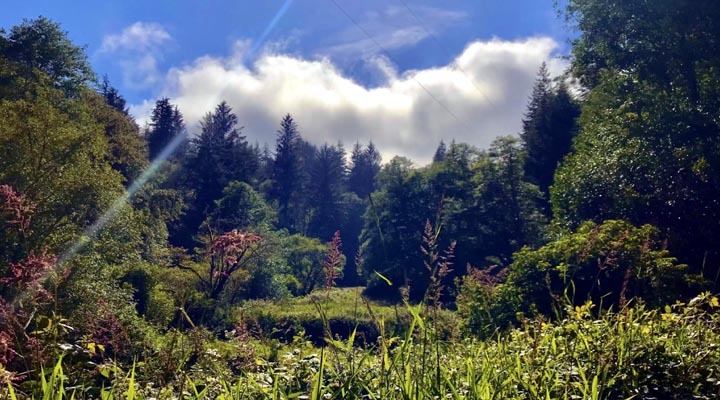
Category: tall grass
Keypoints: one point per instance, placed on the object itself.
(634, 353)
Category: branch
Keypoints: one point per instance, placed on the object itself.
(186, 268)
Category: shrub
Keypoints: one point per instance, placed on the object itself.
(608, 263)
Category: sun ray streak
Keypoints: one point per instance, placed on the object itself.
(270, 26)
(91, 232)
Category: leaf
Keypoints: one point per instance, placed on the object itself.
(384, 278)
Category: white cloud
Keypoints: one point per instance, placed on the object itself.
(392, 28)
(399, 116)
(138, 48)
(142, 36)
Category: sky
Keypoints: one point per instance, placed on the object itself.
(404, 74)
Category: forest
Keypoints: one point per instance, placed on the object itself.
(578, 258)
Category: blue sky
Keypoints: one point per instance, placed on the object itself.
(447, 69)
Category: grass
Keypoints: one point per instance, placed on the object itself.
(343, 309)
(635, 353)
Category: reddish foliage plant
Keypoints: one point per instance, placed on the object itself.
(229, 253)
(333, 261)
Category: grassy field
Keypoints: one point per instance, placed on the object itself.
(635, 353)
(342, 310)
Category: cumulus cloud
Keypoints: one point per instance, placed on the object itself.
(482, 94)
(138, 48)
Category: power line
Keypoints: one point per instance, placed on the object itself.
(387, 54)
(440, 45)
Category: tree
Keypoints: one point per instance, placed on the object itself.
(508, 207)
(668, 42)
(241, 207)
(219, 155)
(440, 152)
(326, 187)
(112, 96)
(42, 45)
(286, 177)
(306, 257)
(648, 147)
(227, 254)
(364, 167)
(127, 151)
(55, 152)
(548, 129)
(166, 123)
(392, 236)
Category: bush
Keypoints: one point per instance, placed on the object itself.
(608, 263)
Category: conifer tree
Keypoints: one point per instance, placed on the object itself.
(112, 96)
(440, 152)
(326, 188)
(365, 165)
(218, 156)
(286, 171)
(166, 123)
(548, 129)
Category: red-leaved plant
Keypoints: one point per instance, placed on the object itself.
(438, 265)
(333, 261)
(229, 253)
(22, 289)
(17, 207)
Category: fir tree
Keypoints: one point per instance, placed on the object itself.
(440, 152)
(286, 171)
(548, 129)
(365, 165)
(166, 123)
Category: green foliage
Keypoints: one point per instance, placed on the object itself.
(305, 257)
(219, 155)
(241, 207)
(41, 45)
(287, 175)
(647, 150)
(54, 152)
(508, 208)
(478, 199)
(663, 42)
(166, 123)
(129, 316)
(364, 167)
(127, 151)
(634, 353)
(326, 186)
(548, 129)
(608, 264)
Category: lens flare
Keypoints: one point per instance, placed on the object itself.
(271, 25)
(91, 233)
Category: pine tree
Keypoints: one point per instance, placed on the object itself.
(548, 129)
(365, 165)
(218, 156)
(440, 152)
(286, 171)
(112, 96)
(326, 188)
(166, 123)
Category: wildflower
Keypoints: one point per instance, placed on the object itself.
(17, 206)
(29, 274)
(333, 261)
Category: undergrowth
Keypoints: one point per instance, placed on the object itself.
(632, 353)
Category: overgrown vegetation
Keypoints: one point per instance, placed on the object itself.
(576, 261)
